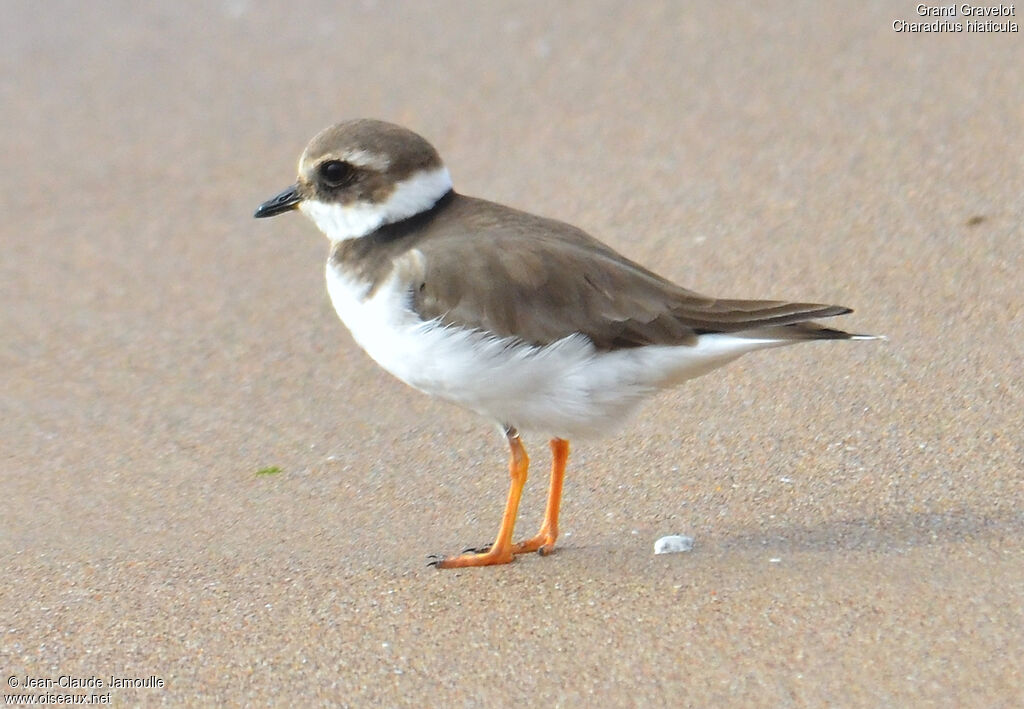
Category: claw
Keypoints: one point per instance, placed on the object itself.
(435, 560)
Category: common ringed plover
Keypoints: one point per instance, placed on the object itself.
(528, 321)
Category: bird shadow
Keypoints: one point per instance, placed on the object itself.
(887, 532)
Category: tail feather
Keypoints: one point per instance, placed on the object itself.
(803, 331)
(743, 315)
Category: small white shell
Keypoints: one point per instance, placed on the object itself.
(673, 544)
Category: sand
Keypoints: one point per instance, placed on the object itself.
(856, 507)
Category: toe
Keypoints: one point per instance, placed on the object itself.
(477, 550)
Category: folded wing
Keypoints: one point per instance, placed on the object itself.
(541, 288)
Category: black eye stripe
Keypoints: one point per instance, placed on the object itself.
(336, 172)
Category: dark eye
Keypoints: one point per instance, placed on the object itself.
(335, 172)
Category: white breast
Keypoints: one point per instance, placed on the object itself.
(566, 389)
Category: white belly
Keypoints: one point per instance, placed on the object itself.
(566, 389)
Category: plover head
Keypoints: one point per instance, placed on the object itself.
(357, 176)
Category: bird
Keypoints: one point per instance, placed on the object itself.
(525, 320)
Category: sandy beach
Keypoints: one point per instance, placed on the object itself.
(206, 482)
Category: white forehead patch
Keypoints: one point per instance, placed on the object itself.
(413, 195)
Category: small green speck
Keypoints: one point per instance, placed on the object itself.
(272, 470)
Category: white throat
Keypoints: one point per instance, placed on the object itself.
(411, 196)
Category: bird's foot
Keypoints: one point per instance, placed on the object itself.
(488, 556)
(543, 543)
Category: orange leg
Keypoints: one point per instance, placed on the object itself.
(501, 551)
(544, 541)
